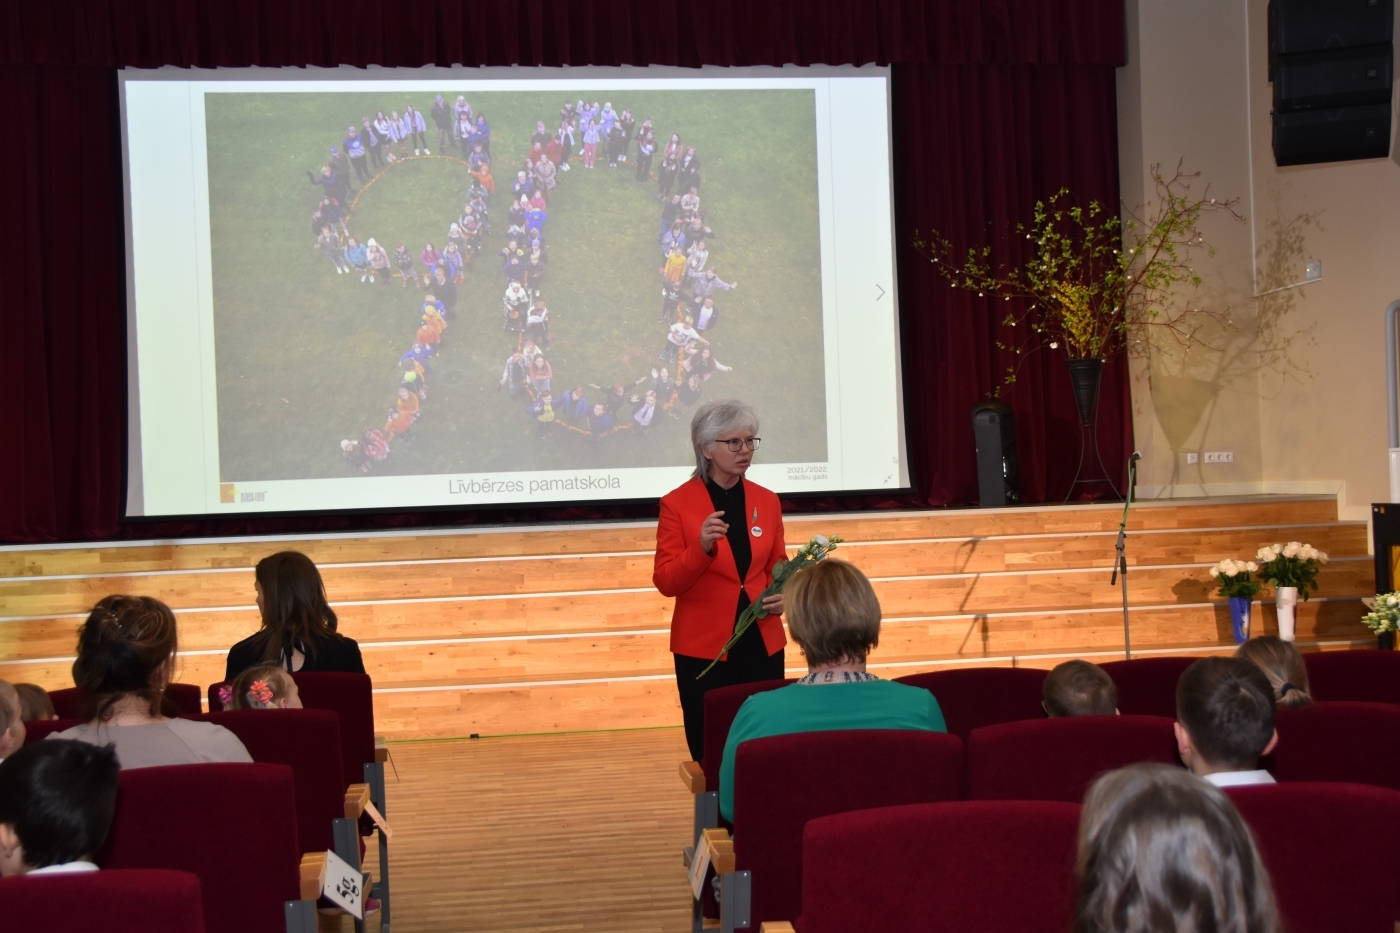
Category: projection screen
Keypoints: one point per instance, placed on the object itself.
(386, 289)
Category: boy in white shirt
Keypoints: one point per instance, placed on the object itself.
(57, 799)
(1225, 721)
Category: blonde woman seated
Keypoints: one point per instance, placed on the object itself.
(834, 617)
(1283, 666)
(126, 652)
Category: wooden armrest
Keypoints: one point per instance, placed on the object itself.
(693, 776)
(722, 849)
(776, 926)
(381, 749)
(313, 875)
(356, 797)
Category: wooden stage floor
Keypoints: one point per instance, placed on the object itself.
(539, 833)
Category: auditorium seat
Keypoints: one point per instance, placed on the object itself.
(1332, 850)
(308, 742)
(233, 825)
(1365, 676)
(1358, 743)
(126, 901)
(41, 729)
(1147, 686)
(351, 696)
(965, 867)
(1057, 759)
(972, 697)
(180, 699)
(783, 781)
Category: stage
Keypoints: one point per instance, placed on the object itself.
(558, 629)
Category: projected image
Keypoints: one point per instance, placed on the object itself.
(408, 283)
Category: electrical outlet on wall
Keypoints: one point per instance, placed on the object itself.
(1193, 458)
(1220, 456)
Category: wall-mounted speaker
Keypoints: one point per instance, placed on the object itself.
(1332, 66)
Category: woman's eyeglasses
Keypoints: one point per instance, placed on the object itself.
(736, 444)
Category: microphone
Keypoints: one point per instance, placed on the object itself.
(1135, 457)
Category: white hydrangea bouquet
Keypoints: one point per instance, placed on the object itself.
(1291, 564)
(1236, 578)
(808, 554)
(1385, 617)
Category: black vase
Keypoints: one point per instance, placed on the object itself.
(1385, 641)
(1086, 376)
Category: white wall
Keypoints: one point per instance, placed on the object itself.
(1296, 388)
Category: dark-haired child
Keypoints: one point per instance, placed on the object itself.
(56, 804)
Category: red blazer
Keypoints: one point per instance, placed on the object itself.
(706, 587)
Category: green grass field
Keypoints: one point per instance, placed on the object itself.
(306, 357)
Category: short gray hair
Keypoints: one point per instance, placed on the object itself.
(713, 419)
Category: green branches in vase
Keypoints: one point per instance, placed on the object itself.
(808, 554)
(1082, 278)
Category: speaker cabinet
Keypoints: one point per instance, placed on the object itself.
(1332, 66)
(994, 429)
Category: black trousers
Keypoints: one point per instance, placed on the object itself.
(748, 662)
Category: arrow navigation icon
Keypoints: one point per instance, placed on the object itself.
(882, 291)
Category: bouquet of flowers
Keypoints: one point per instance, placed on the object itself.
(808, 554)
(1234, 577)
(1291, 564)
(1385, 617)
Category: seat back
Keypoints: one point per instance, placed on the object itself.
(973, 697)
(1296, 825)
(180, 700)
(233, 825)
(1147, 686)
(1057, 759)
(41, 729)
(1364, 676)
(783, 781)
(721, 706)
(308, 742)
(349, 695)
(976, 866)
(1358, 743)
(131, 901)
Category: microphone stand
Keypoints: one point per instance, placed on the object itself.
(1120, 562)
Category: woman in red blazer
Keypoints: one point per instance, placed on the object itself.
(716, 543)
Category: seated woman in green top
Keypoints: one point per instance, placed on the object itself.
(834, 617)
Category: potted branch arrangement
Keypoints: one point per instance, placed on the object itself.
(1090, 282)
(1383, 619)
(1290, 569)
(1237, 584)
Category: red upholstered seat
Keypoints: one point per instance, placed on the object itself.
(1365, 676)
(972, 697)
(1057, 759)
(1333, 851)
(721, 706)
(41, 729)
(132, 901)
(1339, 741)
(349, 695)
(783, 781)
(968, 867)
(308, 742)
(1147, 686)
(180, 700)
(233, 825)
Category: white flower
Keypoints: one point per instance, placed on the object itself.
(1291, 549)
(1267, 553)
(1392, 601)
(1251, 566)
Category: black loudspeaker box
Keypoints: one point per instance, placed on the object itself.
(994, 429)
(1332, 66)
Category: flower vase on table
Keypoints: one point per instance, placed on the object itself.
(1238, 585)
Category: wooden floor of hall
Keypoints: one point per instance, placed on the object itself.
(577, 832)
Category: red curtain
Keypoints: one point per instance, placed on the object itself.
(996, 103)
